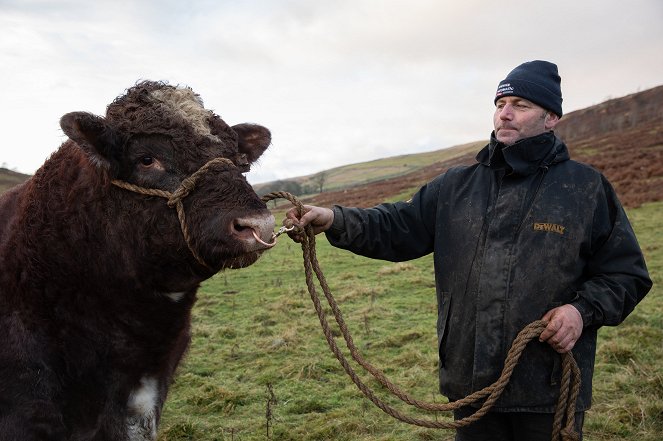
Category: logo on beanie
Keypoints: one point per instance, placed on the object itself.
(504, 88)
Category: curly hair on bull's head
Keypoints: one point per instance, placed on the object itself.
(155, 107)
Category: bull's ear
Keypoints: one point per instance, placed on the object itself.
(95, 136)
(253, 140)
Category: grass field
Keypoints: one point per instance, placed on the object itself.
(259, 367)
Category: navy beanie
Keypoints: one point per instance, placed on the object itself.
(536, 81)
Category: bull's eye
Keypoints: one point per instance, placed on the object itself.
(147, 161)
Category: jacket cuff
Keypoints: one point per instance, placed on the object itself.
(338, 225)
(585, 310)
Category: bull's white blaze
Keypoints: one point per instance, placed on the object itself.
(142, 410)
(175, 296)
(189, 106)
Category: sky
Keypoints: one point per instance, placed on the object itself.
(336, 81)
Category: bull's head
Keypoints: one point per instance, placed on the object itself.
(155, 137)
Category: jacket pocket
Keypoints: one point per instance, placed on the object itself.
(443, 306)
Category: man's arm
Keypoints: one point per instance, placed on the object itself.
(617, 278)
(391, 231)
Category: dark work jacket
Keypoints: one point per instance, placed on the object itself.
(520, 232)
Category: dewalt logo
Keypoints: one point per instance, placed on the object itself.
(553, 228)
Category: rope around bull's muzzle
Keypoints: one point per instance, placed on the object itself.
(175, 199)
(564, 419)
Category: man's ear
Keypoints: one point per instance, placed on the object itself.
(95, 136)
(252, 140)
(551, 120)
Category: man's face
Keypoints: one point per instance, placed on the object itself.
(517, 118)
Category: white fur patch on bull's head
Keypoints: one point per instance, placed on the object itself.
(186, 104)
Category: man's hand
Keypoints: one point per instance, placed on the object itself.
(564, 328)
(318, 217)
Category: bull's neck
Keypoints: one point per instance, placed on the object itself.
(78, 237)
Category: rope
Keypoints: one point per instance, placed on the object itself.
(175, 199)
(564, 419)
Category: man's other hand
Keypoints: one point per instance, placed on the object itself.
(564, 328)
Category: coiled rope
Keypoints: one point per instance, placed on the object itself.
(564, 419)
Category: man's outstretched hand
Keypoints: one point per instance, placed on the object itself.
(318, 217)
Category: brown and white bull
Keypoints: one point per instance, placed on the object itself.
(97, 277)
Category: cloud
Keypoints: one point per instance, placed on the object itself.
(336, 82)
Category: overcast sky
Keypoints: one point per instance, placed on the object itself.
(336, 81)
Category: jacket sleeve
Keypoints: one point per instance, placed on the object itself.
(396, 232)
(616, 274)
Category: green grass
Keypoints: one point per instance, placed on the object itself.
(628, 381)
(259, 367)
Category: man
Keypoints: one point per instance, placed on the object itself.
(523, 234)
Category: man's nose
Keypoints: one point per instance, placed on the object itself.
(506, 112)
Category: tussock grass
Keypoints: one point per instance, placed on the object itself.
(255, 329)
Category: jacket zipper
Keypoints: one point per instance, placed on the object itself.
(530, 204)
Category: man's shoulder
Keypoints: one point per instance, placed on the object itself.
(460, 171)
(581, 173)
(457, 173)
(585, 169)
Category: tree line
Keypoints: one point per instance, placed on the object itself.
(316, 184)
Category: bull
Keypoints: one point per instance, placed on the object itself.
(101, 255)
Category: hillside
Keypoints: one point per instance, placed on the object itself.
(364, 173)
(9, 178)
(622, 137)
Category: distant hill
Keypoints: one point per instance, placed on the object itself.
(363, 173)
(9, 178)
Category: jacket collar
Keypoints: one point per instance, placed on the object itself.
(526, 156)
